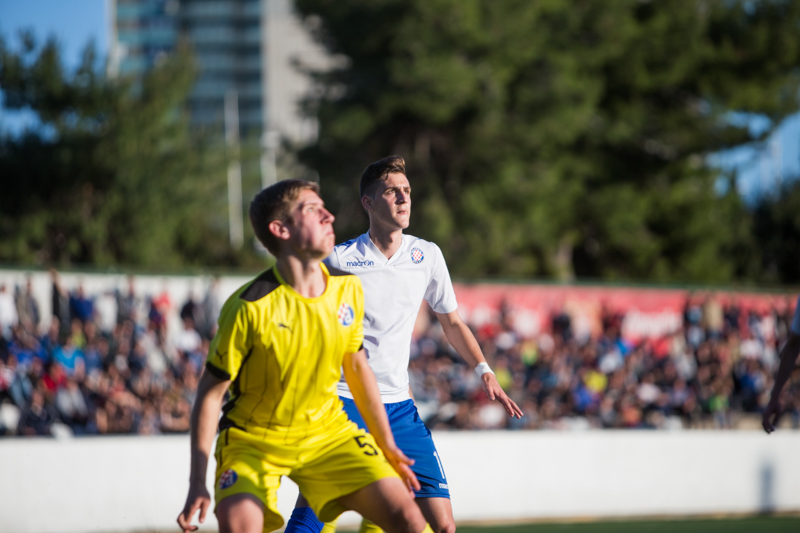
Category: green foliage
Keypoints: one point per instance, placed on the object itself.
(111, 175)
(556, 138)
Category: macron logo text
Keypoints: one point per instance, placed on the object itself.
(360, 263)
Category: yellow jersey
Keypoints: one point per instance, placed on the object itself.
(283, 354)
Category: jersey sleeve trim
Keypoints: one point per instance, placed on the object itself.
(217, 372)
(261, 286)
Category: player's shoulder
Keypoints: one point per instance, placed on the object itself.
(258, 288)
(413, 241)
(346, 247)
(346, 244)
(422, 250)
(342, 281)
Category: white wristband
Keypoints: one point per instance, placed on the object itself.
(483, 368)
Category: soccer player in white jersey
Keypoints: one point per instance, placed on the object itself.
(399, 271)
(789, 355)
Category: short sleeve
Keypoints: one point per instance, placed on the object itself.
(233, 340)
(796, 320)
(357, 334)
(439, 293)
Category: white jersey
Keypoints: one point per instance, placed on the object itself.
(796, 320)
(393, 292)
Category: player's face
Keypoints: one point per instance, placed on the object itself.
(311, 226)
(392, 201)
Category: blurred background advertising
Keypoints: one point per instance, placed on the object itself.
(613, 184)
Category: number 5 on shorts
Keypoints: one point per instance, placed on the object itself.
(371, 451)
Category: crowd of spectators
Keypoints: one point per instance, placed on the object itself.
(76, 377)
(132, 374)
(716, 371)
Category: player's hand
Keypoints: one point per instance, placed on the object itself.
(402, 465)
(198, 498)
(771, 415)
(495, 392)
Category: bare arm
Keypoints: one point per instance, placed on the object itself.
(367, 398)
(788, 360)
(204, 421)
(462, 339)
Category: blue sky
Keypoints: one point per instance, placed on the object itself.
(761, 169)
(75, 22)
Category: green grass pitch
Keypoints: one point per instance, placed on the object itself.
(766, 524)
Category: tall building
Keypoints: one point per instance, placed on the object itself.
(249, 47)
(143, 31)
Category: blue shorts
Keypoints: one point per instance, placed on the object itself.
(414, 439)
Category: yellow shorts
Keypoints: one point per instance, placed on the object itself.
(325, 467)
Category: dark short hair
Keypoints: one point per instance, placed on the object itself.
(378, 171)
(275, 203)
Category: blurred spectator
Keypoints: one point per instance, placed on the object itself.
(59, 300)
(80, 307)
(28, 307)
(159, 308)
(71, 406)
(188, 340)
(69, 357)
(37, 417)
(193, 311)
(8, 312)
(212, 305)
(127, 303)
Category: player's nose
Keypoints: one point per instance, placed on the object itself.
(327, 216)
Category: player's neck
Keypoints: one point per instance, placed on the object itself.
(387, 240)
(305, 276)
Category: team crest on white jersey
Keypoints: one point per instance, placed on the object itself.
(227, 479)
(346, 314)
(417, 256)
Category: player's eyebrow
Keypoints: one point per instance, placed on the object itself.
(303, 204)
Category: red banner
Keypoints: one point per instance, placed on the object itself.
(646, 312)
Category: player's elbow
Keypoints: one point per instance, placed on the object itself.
(449, 527)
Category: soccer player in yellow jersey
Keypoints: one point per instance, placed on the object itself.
(281, 343)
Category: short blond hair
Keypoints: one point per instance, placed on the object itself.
(275, 203)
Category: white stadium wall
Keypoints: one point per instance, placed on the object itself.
(107, 484)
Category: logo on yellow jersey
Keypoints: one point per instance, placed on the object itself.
(346, 314)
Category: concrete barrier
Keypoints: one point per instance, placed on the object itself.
(107, 484)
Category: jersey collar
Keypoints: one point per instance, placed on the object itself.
(296, 294)
(376, 255)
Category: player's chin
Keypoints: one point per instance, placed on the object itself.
(319, 253)
(402, 220)
(325, 246)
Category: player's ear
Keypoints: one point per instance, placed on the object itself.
(279, 229)
(366, 203)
